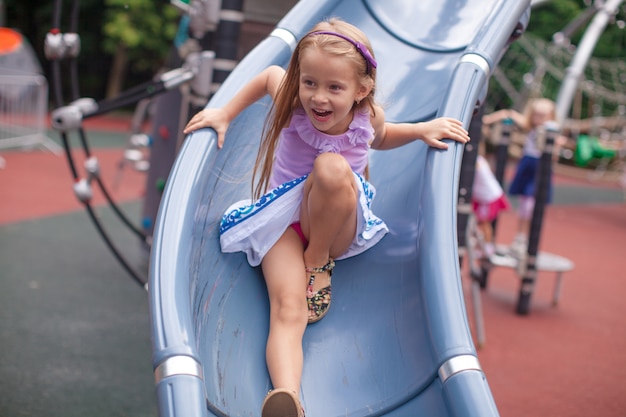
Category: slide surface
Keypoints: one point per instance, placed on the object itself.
(396, 341)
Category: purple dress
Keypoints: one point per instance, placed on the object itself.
(254, 227)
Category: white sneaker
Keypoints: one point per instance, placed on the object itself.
(502, 259)
(519, 247)
(489, 249)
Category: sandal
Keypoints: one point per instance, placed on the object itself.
(319, 302)
(281, 402)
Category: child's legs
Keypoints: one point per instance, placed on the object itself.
(328, 214)
(481, 211)
(283, 269)
(525, 212)
(523, 185)
(483, 218)
(486, 229)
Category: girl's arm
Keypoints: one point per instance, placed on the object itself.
(266, 82)
(503, 114)
(392, 135)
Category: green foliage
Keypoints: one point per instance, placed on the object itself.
(553, 17)
(612, 43)
(520, 67)
(146, 28)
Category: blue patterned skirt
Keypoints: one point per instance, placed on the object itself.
(254, 227)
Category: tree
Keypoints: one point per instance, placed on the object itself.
(139, 32)
(553, 16)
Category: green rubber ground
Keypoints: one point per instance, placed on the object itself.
(74, 328)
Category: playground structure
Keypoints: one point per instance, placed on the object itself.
(23, 96)
(23, 112)
(179, 87)
(186, 85)
(590, 93)
(528, 264)
(208, 349)
(603, 87)
(168, 368)
(597, 124)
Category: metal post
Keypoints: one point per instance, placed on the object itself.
(542, 193)
(464, 203)
(574, 72)
(167, 122)
(466, 180)
(226, 45)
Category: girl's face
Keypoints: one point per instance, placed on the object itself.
(328, 88)
(541, 113)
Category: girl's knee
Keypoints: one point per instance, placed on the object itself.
(332, 170)
(289, 310)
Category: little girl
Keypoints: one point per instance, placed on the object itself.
(537, 112)
(313, 160)
(488, 200)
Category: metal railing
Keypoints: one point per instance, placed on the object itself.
(23, 112)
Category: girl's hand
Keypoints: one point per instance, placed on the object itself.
(216, 118)
(443, 128)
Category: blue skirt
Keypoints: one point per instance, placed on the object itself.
(254, 227)
(524, 181)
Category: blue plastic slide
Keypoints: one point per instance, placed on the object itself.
(396, 341)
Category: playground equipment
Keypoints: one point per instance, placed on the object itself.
(574, 72)
(533, 67)
(23, 96)
(590, 93)
(411, 355)
(533, 261)
(598, 108)
(577, 75)
(588, 148)
(213, 27)
(193, 76)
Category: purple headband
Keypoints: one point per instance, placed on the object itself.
(369, 59)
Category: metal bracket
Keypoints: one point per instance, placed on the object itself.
(458, 364)
(177, 365)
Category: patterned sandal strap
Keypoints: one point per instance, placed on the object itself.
(328, 267)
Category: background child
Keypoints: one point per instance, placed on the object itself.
(488, 200)
(537, 112)
(312, 159)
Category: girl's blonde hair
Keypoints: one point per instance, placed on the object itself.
(287, 98)
(543, 105)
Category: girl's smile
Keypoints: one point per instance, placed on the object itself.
(321, 115)
(328, 90)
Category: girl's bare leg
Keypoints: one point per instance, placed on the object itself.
(328, 213)
(486, 230)
(527, 205)
(328, 220)
(283, 269)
